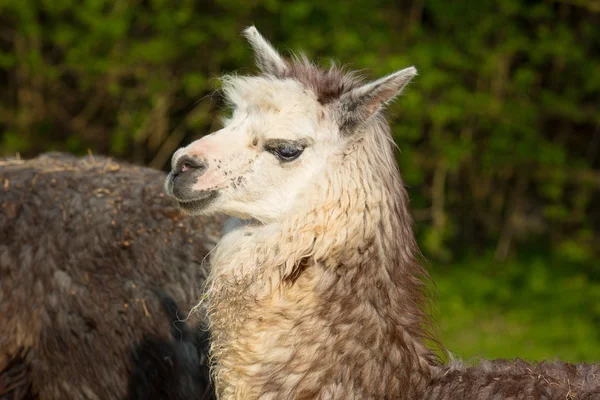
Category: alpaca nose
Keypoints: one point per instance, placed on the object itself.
(188, 163)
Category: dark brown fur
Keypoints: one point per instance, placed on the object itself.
(518, 380)
(328, 85)
(88, 247)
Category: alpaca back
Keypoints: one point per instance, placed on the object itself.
(516, 379)
(85, 246)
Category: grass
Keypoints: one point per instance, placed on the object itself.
(535, 309)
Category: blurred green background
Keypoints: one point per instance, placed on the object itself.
(499, 134)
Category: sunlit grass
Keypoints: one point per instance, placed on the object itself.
(518, 309)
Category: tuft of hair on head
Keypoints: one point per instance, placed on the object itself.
(359, 104)
(268, 60)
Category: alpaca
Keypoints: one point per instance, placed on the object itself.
(320, 292)
(94, 263)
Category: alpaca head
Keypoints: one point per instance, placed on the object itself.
(285, 125)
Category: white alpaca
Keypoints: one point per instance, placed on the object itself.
(319, 294)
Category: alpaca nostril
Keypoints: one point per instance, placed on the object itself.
(185, 167)
(187, 163)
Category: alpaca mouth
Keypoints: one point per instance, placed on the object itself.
(199, 203)
(180, 188)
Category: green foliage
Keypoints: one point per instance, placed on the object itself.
(499, 134)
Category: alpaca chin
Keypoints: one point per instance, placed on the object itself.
(201, 205)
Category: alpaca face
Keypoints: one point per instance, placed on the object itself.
(286, 126)
(277, 140)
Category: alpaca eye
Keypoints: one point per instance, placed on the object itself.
(288, 152)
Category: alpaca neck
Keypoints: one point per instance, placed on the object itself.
(328, 302)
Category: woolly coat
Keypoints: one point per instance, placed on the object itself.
(96, 267)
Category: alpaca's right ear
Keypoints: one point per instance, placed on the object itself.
(267, 58)
(359, 104)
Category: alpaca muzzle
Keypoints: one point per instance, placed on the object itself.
(185, 172)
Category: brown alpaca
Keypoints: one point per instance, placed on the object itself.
(319, 293)
(94, 263)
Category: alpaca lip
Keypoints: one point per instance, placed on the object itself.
(198, 203)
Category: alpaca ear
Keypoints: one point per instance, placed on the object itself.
(359, 104)
(267, 58)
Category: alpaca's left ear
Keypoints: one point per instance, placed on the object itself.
(359, 104)
(267, 58)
